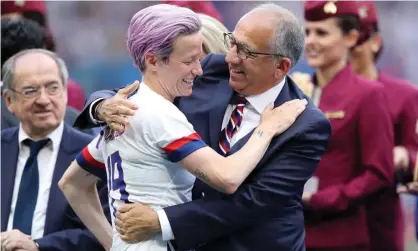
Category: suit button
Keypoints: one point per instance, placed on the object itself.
(203, 194)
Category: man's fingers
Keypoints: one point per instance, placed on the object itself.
(12, 245)
(125, 208)
(4, 236)
(130, 88)
(116, 127)
(126, 238)
(119, 119)
(120, 230)
(118, 222)
(121, 102)
(124, 111)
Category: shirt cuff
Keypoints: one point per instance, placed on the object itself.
(166, 230)
(95, 121)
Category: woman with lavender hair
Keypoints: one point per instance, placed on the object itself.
(155, 160)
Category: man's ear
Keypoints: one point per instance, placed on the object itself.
(283, 66)
(9, 101)
(150, 62)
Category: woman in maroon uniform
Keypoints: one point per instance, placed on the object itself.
(385, 219)
(359, 161)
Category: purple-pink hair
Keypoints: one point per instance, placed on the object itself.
(154, 29)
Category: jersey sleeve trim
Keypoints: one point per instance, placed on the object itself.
(181, 148)
(91, 165)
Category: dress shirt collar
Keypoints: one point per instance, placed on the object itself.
(262, 100)
(55, 136)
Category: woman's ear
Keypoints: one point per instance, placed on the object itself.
(352, 38)
(150, 62)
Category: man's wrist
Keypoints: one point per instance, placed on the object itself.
(155, 225)
(96, 109)
(92, 108)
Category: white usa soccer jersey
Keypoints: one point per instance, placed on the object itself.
(141, 164)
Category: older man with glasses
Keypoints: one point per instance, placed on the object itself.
(34, 213)
(265, 213)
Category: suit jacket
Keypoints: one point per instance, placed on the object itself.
(267, 208)
(63, 230)
(357, 166)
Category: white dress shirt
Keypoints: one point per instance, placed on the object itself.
(47, 158)
(250, 120)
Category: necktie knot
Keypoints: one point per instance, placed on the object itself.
(234, 122)
(238, 100)
(35, 146)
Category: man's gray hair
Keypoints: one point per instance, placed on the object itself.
(8, 69)
(289, 35)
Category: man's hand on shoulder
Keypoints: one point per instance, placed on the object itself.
(136, 222)
(115, 110)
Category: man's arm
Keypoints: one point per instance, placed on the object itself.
(77, 236)
(272, 186)
(376, 141)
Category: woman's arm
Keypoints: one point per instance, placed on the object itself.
(227, 173)
(79, 187)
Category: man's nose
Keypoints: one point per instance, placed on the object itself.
(43, 98)
(232, 56)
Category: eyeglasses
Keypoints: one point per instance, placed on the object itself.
(243, 51)
(31, 92)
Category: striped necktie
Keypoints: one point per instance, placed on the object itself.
(234, 123)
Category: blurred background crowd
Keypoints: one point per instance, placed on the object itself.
(91, 38)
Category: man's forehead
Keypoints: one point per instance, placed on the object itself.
(35, 62)
(253, 33)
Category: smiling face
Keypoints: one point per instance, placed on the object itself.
(39, 114)
(257, 73)
(176, 76)
(325, 43)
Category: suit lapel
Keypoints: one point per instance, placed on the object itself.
(217, 112)
(10, 148)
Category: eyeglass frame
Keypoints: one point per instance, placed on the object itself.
(241, 47)
(38, 91)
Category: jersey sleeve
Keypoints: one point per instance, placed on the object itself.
(91, 158)
(172, 132)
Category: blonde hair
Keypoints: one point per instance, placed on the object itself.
(213, 34)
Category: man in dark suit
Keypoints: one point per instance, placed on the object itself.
(20, 34)
(266, 212)
(34, 213)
